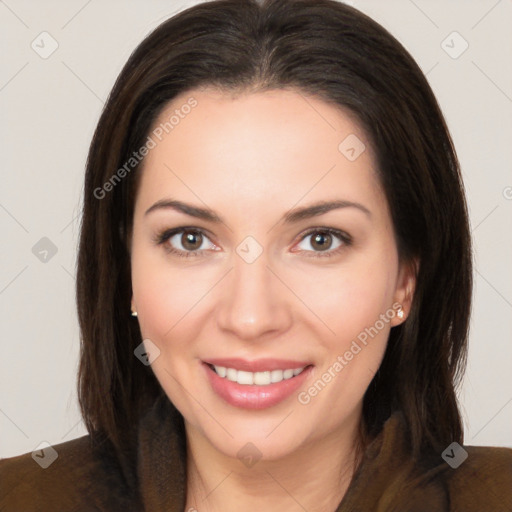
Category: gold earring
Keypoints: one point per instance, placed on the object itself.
(400, 313)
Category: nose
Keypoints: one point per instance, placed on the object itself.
(255, 303)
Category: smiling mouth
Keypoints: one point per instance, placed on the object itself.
(262, 378)
(257, 384)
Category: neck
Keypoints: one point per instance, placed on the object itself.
(315, 477)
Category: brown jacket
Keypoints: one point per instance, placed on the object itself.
(87, 477)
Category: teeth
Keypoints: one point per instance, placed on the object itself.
(287, 374)
(258, 378)
(245, 377)
(262, 378)
(276, 376)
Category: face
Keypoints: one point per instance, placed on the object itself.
(263, 283)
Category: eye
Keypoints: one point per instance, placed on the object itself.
(323, 241)
(191, 241)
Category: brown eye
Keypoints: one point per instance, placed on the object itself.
(321, 241)
(191, 240)
(184, 242)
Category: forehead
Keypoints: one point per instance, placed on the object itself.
(272, 147)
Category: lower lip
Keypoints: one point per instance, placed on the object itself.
(252, 396)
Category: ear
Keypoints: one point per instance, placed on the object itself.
(405, 287)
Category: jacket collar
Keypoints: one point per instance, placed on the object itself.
(161, 465)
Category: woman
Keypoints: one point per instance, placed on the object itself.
(274, 280)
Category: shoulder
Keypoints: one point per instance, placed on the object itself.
(469, 479)
(479, 478)
(75, 475)
(456, 479)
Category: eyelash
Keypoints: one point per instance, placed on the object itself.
(162, 237)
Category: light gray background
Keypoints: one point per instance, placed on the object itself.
(49, 109)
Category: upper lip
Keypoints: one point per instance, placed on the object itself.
(258, 365)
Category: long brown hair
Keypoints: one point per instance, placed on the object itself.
(334, 52)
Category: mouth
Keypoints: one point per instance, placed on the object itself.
(256, 385)
(263, 378)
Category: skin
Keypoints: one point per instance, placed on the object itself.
(251, 158)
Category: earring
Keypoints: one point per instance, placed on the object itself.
(134, 313)
(400, 313)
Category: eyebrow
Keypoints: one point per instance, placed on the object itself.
(290, 217)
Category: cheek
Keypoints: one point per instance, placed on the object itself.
(167, 296)
(353, 354)
(350, 298)
(352, 301)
